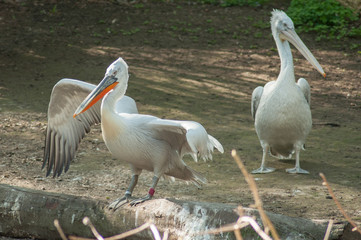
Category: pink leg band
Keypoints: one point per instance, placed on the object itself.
(151, 191)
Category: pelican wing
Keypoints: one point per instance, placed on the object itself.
(169, 131)
(187, 137)
(305, 88)
(64, 133)
(200, 142)
(256, 98)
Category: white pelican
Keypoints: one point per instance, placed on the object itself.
(281, 109)
(146, 142)
(64, 133)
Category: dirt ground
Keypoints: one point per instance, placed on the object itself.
(186, 62)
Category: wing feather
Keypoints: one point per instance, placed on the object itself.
(169, 131)
(200, 143)
(64, 133)
(187, 137)
(305, 88)
(256, 97)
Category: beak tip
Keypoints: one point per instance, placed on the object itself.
(75, 115)
(324, 75)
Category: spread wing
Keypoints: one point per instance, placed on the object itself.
(187, 137)
(169, 131)
(201, 143)
(256, 97)
(305, 88)
(64, 133)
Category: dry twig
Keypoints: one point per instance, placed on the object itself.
(244, 221)
(227, 228)
(155, 232)
(87, 222)
(60, 231)
(256, 227)
(165, 235)
(328, 231)
(325, 183)
(258, 202)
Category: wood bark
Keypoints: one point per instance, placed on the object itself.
(29, 213)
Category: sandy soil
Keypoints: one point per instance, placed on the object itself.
(190, 62)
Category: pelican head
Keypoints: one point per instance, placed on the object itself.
(116, 73)
(284, 30)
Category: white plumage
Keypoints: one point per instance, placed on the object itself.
(281, 108)
(144, 141)
(64, 132)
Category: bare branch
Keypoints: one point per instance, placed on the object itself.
(242, 222)
(328, 230)
(131, 232)
(155, 232)
(165, 235)
(258, 202)
(256, 227)
(87, 222)
(238, 234)
(325, 183)
(60, 231)
(227, 228)
(119, 236)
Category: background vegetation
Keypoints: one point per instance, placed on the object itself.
(329, 18)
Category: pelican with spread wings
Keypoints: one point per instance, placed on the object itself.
(144, 141)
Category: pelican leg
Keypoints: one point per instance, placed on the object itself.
(127, 196)
(263, 168)
(150, 193)
(297, 168)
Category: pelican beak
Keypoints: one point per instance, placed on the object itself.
(291, 36)
(107, 84)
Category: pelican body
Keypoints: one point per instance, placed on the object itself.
(281, 109)
(144, 141)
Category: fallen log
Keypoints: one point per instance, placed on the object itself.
(29, 213)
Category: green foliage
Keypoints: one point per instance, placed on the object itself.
(139, 5)
(229, 3)
(130, 32)
(328, 18)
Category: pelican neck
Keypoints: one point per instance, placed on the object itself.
(284, 51)
(110, 100)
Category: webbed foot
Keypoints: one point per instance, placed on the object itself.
(137, 201)
(120, 202)
(297, 170)
(263, 170)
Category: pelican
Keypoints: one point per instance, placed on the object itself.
(64, 133)
(281, 109)
(144, 141)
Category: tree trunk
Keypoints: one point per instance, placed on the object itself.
(31, 213)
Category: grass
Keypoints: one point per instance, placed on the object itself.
(329, 19)
(230, 3)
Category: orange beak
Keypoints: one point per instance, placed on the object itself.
(107, 84)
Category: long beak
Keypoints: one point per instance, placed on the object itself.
(291, 36)
(107, 84)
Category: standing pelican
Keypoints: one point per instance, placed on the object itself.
(281, 109)
(146, 142)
